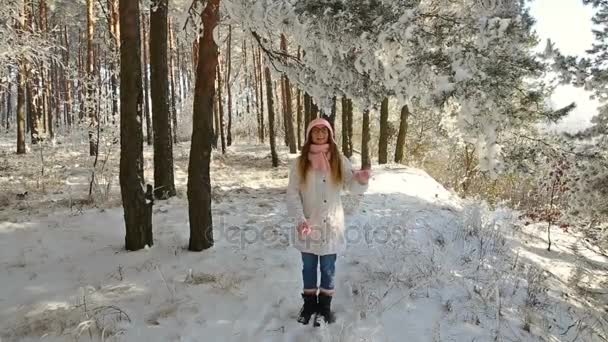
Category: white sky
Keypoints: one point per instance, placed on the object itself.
(568, 24)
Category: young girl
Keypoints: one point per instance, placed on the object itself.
(313, 200)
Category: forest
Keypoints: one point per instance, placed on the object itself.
(145, 149)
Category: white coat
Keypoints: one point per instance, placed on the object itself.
(319, 202)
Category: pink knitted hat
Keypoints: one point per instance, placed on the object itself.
(320, 122)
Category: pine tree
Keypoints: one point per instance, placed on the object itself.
(400, 148)
(164, 186)
(136, 202)
(199, 181)
(383, 139)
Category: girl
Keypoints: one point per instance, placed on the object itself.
(313, 200)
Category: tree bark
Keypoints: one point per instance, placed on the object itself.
(261, 97)
(46, 83)
(271, 132)
(114, 46)
(164, 186)
(3, 108)
(405, 113)
(287, 109)
(67, 80)
(383, 140)
(247, 78)
(365, 161)
(216, 119)
(136, 202)
(35, 121)
(279, 97)
(80, 85)
(307, 113)
(345, 128)
(258, 97)
(172, 79)
(9, 103)
(20, 109)
(220, 113)
(89, 106)
(149, 129)
(199, 182)
(229, 85)
(299, 118)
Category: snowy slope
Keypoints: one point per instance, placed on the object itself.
(422, 265)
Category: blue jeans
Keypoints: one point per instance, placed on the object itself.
(309, 270)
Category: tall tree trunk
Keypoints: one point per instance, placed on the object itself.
(345, 128)
(383, 140)
(258, 98)
(46, 83)
(199, 182)
(365, 161)
(20, 109)
(28, 107)
(136, 202)
(332, 115)
(247, 78)
(288, 117)
(307, 112)
(279, 119)
(181, 73)
(67, 80)
(172, 79)
(164, 186)
(33, 122)
(405, 113)
(54, 94)
(271, 132)
(114, 45)
(299, 118)
(3, 108)
(229, 85)
(350, 127)
(32, 106)
(98, 88)
(9, 102)
(220, 113)
(90, 84)
(287, 109)
(216, 119)
(149, 129)
(81, 86)
(261, 97)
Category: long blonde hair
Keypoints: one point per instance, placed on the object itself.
(335, 162)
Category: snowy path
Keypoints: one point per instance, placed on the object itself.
(402, 277)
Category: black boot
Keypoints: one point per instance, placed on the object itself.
(324, 308)
(308, 309)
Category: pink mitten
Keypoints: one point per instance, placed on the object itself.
(362, 176)
(304, 228)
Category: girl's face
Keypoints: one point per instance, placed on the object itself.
(319, 135)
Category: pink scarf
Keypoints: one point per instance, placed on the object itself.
(319, 156)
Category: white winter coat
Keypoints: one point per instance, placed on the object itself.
(319, 202)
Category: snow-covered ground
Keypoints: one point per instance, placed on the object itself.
(422, 264)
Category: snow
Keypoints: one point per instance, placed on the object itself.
(422, 264)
